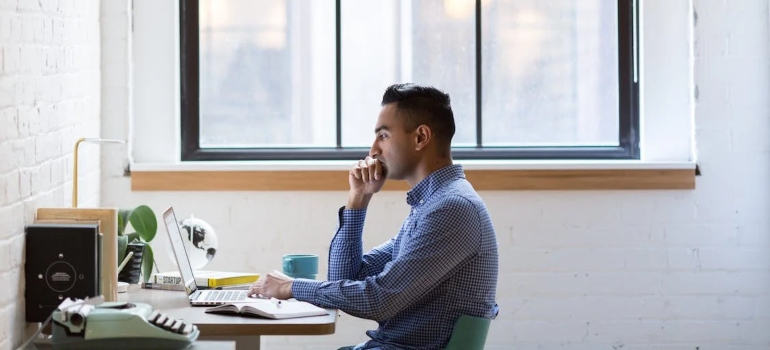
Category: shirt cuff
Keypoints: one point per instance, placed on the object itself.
(304, 289)
(351, 218)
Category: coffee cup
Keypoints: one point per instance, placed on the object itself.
(300, 265)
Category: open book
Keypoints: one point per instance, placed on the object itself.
(270, 308)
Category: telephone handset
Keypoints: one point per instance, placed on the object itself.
(118, 325)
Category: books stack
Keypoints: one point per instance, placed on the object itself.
(204, 279)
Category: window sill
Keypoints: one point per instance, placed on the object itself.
(484, 175)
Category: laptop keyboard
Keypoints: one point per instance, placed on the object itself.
(226, 295)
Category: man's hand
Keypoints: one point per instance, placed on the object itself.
(274, 285)
(366, 178)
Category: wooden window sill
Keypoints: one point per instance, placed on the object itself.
(482, 180)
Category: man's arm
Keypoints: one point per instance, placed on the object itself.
(346, 260)
(441, 242)
(366, 178)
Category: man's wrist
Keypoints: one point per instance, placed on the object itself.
(358, 201)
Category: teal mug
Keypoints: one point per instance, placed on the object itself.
(300, 265)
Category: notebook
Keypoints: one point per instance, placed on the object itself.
(270, 308)
(197, 296)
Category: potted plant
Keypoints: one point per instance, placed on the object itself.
(136, 229)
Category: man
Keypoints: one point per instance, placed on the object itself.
(443, 262)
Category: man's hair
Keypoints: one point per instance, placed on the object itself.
(419, 104)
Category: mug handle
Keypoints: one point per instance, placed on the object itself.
(288, 265)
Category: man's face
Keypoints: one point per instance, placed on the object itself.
(393, 146)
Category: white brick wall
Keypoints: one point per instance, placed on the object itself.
(49, 96)
(580, 270)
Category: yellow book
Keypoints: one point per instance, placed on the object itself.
(210, 279)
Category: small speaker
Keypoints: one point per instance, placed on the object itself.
(62, 261)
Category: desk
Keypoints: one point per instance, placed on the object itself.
(245, 331)
(198, 345)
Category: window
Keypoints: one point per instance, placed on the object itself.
(302, 80)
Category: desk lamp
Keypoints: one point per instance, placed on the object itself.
(75, 166)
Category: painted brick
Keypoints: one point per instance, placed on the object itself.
(753, 233)
(8, 117)
(8, 165)
(5, 260)
(592, 211)
(705, 234)
(699, 307)
(719, 332)
(41, 42)
(15, 28)
(58, 171)
(568, 331)
(688, 347)
(742, 39)
(9, 185)
(11, 215)
(24, 151)
(7, 90)
(16, 246)
(748, 283)
(733, 258)
(5, 27)
(11, 279)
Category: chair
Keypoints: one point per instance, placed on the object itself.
(470, 333)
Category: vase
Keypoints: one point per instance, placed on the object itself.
(132, 272)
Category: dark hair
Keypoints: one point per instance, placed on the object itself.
(420, 105)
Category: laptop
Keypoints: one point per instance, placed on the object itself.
(197, 296)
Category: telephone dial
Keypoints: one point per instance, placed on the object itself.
(118, 325)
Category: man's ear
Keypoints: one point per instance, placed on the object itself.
(423, 135)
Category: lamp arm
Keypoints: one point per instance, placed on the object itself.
(75, 173)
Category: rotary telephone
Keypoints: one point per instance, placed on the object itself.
(117, 325)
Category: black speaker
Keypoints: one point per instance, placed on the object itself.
(62, 261)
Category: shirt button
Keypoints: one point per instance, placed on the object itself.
(421, 201)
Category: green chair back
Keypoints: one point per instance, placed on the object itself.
(470, 333)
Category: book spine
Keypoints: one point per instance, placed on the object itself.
(167, 279)
(162, 286)
(176, 280)
(230, 281)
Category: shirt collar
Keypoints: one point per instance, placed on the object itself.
(432, 182)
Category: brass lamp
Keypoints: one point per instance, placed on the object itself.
(75, 166)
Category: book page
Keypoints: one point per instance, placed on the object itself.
(231, 308)
(275, 309)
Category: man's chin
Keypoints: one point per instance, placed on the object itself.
(392, 176)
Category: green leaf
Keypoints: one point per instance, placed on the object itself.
(123, 215)
(148, 261)
(122, 244)
(144, 222)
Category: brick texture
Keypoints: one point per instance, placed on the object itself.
(49, 96)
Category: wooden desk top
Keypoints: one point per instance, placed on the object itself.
(197, 345)
(176, 304)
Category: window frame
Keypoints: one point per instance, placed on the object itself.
(628, 85)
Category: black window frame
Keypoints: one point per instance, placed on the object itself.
(628, 148)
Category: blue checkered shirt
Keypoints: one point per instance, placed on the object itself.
(442, 264)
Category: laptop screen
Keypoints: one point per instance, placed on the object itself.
(180, 252)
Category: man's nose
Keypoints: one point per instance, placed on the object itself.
(374, 150)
